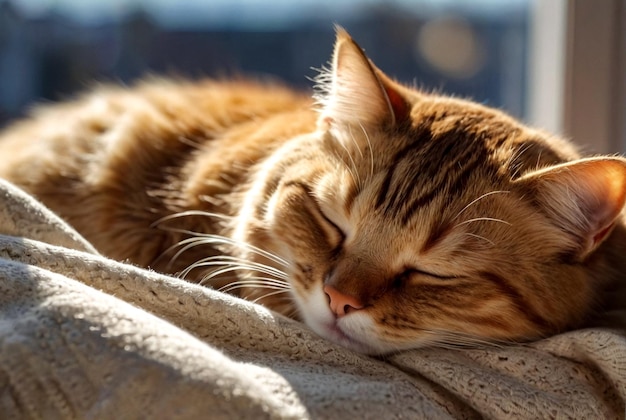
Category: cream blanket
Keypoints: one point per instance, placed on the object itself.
(86, 337)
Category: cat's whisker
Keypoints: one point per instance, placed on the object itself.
(354, 170)
(482, 219)
(354, 173)
(253, 265)
(266, 280)
(514, 163)
(278, 292)
(191, 213)
(257, 282)
(241, 263)
(186, 244)
(230, 267)
(480, 237)
(456, 340)
(355, 142)
(212, 239)
(477, 200)
(169, 249)
(190, 241)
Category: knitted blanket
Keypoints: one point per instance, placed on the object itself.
(82, 336)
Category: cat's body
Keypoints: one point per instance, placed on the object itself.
(398, 218)
(117, 162)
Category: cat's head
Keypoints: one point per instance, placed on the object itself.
(411, 219)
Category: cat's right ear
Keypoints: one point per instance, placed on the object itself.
(355, 92)
(584, 198)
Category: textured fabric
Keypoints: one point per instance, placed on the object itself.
(86, 337)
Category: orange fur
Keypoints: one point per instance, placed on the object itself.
(392, 217)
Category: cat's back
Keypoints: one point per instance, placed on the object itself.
(141, 153)
(157, 115)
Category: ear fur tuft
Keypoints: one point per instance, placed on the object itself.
(355, 92)
(584, 198)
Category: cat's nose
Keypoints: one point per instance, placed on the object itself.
(340, 303)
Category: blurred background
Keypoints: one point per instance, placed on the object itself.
(516, 55)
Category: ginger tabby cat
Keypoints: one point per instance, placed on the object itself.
(384, 217)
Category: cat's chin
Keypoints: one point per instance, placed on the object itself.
(333, 332)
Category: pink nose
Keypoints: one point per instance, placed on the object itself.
(341, 303)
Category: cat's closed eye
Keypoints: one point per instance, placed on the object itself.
(336, 236)
(409, 273)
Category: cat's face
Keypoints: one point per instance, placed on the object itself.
(410, 219)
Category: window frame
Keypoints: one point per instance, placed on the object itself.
(578, 71)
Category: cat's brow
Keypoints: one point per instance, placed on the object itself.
(450, 187)
(397, 159)
(438, 165)
(478, 199)
(437, 234)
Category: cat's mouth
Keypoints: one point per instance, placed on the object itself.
(337, 333)
(330, 329)
(333, 332)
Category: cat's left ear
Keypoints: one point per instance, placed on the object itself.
(356, 92)
(584, 198)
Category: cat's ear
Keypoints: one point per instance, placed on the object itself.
(355, 92)
(584, 198)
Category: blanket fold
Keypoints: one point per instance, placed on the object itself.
(86, 337)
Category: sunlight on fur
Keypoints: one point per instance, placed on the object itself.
(384, 217)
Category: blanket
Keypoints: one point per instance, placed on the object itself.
(82, 336)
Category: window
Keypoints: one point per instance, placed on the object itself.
(52, 48)
(578, 71)
(558, 64)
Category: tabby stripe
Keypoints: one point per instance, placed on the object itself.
(399, 197)
(450, 188)
(397, 159)
(436, 235)
(520, 302)
(307, 273)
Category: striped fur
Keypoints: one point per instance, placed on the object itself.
(384, 217)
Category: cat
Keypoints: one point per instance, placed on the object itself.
(383, 216)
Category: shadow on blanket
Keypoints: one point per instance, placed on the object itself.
(84, 336)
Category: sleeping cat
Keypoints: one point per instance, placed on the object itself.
(384, 217)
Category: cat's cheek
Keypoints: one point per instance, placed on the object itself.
(314, 310)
